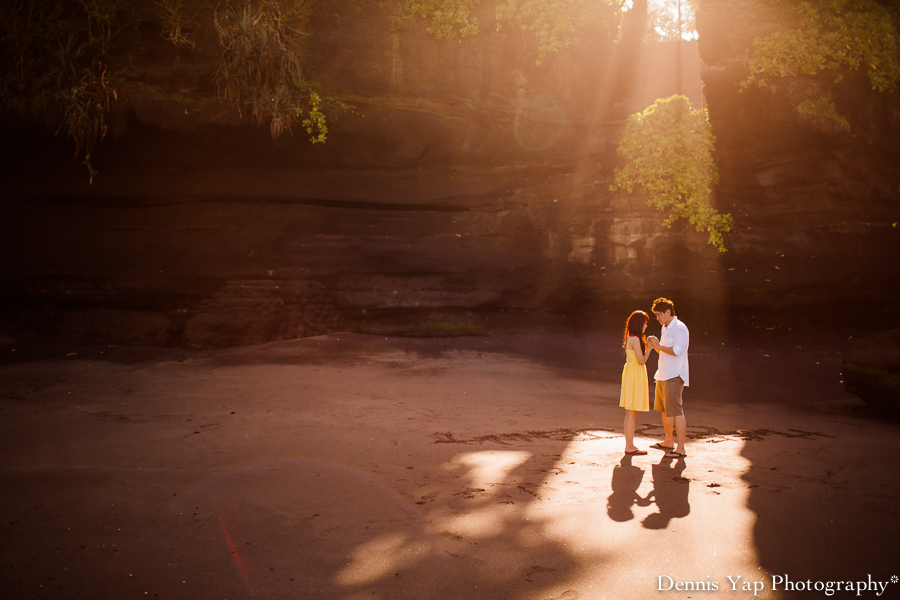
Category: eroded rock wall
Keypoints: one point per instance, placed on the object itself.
(464, 178)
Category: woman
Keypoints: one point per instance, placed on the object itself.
(635, 394)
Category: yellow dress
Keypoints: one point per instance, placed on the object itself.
(635, 393)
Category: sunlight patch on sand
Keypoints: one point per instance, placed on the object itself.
(485, 468)
(381, 558)
(617, 507)
(480, 523)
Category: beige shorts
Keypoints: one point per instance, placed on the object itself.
(668, 397)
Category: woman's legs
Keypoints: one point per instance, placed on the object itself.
(630, 422)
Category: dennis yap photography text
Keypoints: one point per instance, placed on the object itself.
(736, 583)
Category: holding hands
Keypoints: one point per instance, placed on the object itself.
(653, 341)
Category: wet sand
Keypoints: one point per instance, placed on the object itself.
(352, 466)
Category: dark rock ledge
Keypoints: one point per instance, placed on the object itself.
(240, 313)
(872, 370)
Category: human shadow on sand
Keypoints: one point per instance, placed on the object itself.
(670, 493)
(626, 479)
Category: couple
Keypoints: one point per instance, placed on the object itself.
(671, 376)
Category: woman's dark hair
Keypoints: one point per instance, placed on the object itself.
(634, 326)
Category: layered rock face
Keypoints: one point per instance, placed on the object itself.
(464, 178)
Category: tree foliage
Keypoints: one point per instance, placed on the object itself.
(55, 58)
(669, 152)
(52, 54)
(87, 103)
(673, 20)
(822, 109)
(555, 22)
(450, 19)
(833, 36)
(177, 21)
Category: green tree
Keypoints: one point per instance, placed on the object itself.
(668, 150)
(831, 36)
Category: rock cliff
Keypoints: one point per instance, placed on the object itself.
(815, 207)
(463, 178)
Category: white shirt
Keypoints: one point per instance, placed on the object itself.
(675, 336)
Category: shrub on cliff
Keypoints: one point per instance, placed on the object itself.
(669, 152)
(831, 36)
(827, 39)
(260, 70)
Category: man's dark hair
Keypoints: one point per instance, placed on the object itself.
(663, 305)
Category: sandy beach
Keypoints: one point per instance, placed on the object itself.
(355, 467)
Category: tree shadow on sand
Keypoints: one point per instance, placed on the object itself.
(827, 520)
(301, 527)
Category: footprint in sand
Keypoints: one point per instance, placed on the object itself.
(535, 569)
(427, 498)
(567, 595)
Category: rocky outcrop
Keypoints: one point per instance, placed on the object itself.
(229, 327)
(244, 313)
(116, 327)
(872, 370)
(240, 313)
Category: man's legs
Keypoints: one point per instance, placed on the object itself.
(659, 403)
(681, 427)
(671, 392)
(667, 423)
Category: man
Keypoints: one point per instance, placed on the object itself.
(671, 375)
